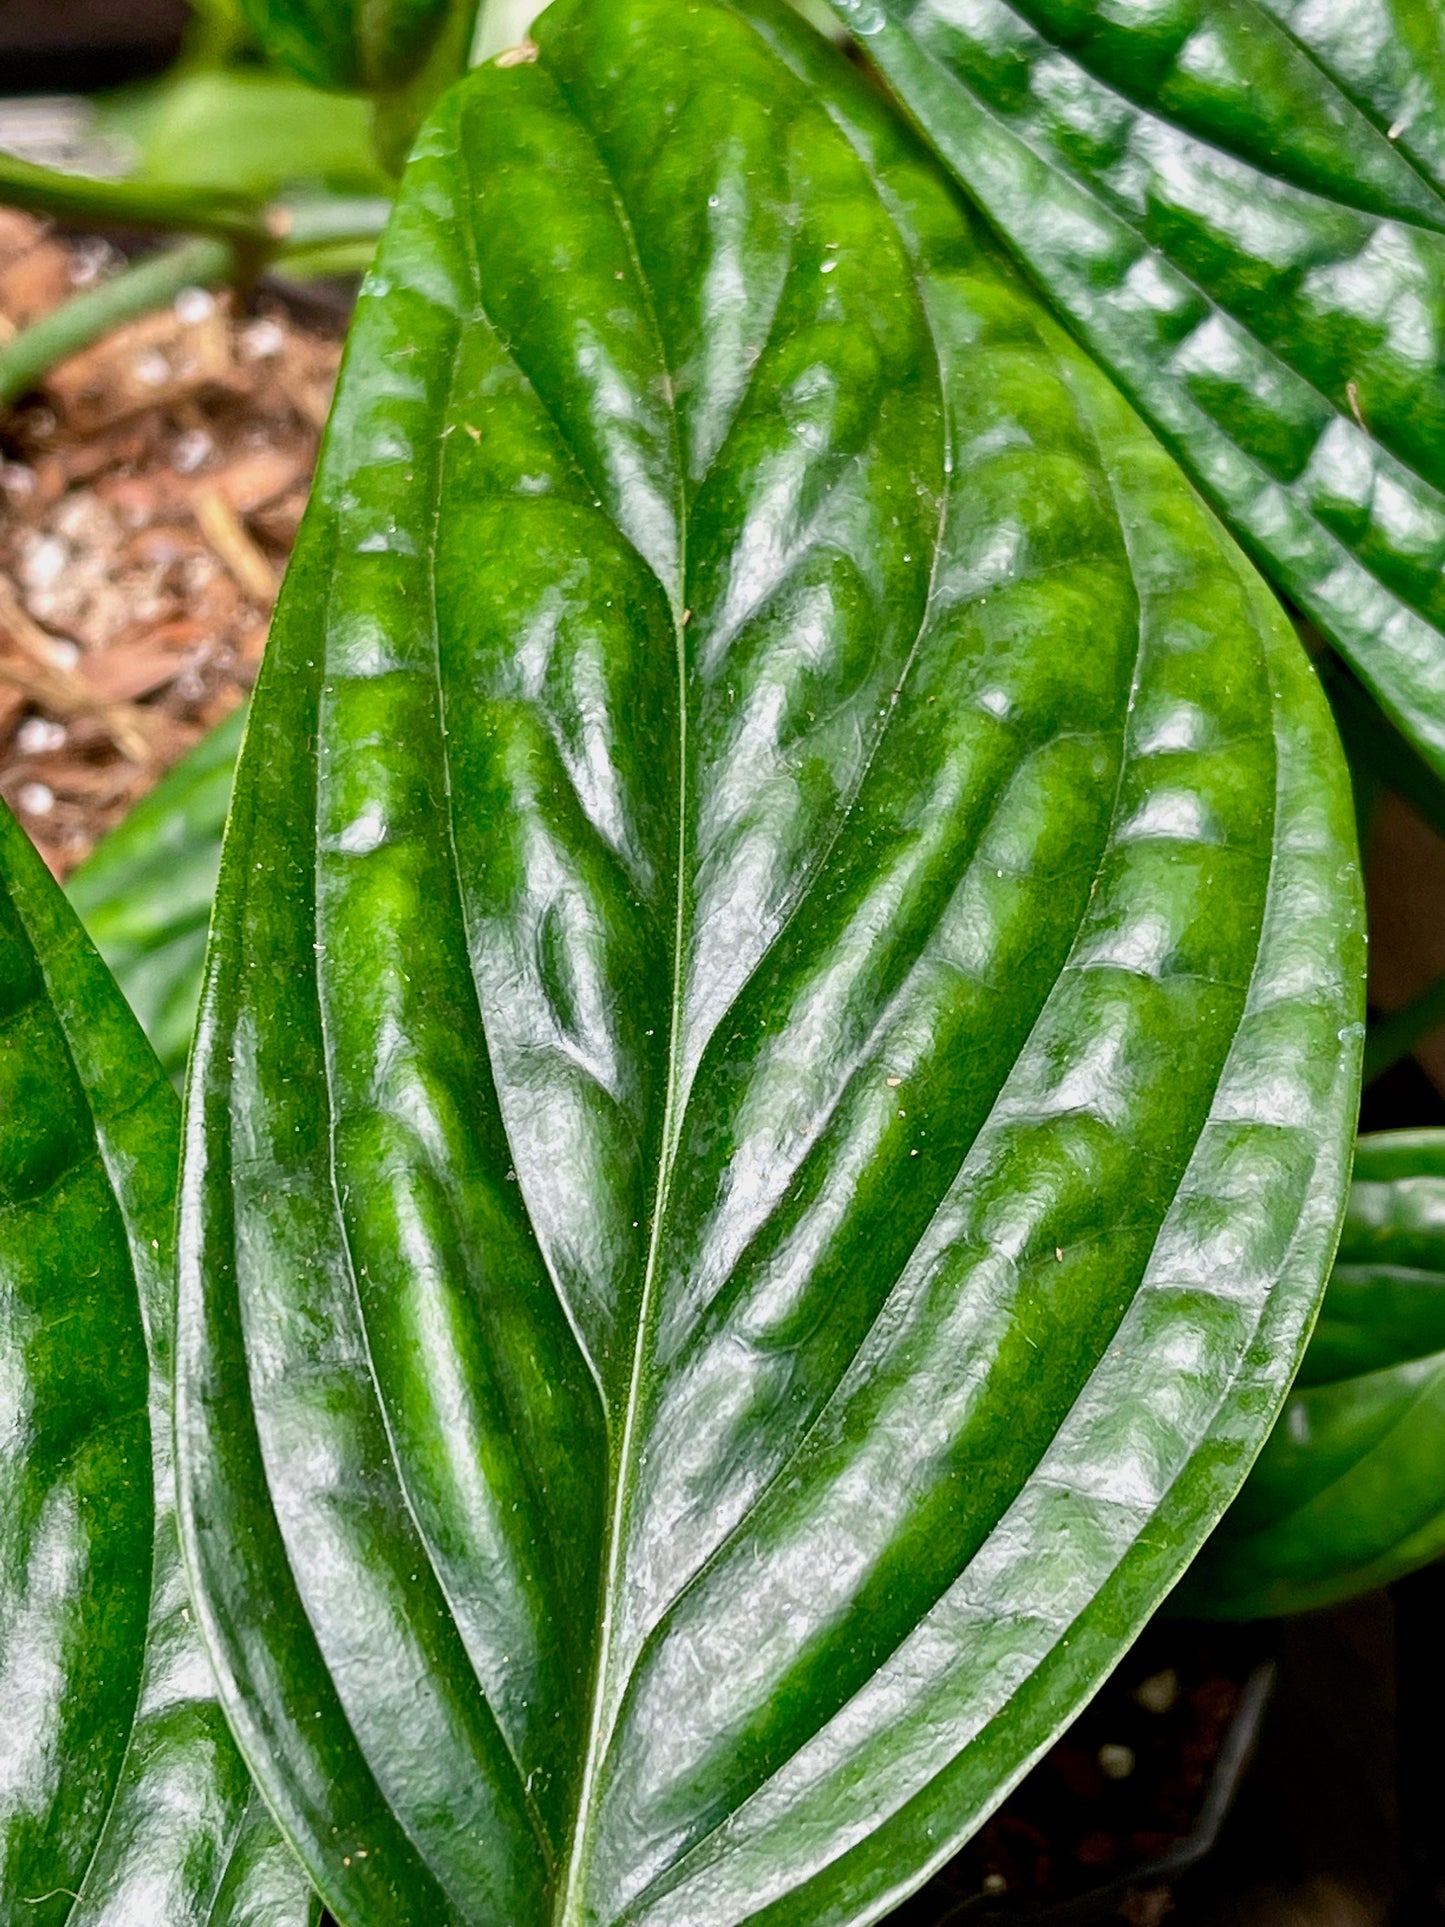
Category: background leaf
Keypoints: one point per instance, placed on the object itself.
(144, 894)
(354, 46)
(1349, 1492)
(1237, 205)
(245, 131)
(772, 1098)
(122, 1797)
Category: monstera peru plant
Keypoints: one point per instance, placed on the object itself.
(773, 1090)
(775, 1083)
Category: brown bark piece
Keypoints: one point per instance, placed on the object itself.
(152, 363)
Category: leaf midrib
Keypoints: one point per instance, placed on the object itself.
(601, 1713)
(602, 1718)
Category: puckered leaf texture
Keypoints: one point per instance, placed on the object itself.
(773, 1092)
(122, 1797)
(1349, 1493)
(1239, 206)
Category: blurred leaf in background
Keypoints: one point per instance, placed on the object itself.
(1349, 1492)
(145, 894)
(246, 130)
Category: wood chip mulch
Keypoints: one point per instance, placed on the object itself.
(149, 497)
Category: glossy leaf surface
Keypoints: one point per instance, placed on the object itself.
(771, 1102)
(1349, 1492)
(144, 894)
(1239, 206)
(122, 1797)
(353, 46)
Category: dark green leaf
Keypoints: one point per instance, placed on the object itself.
(1378, 755)
(1239, 206)
(122, 1797)
(1349, 1492)
(773, 1093)
(1386, 1298)
(353, 46)
(145, 893)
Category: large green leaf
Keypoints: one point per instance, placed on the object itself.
(122, 1797)
(773, 1092)
(1239, 206)
(144, 894)
(1349, 1493)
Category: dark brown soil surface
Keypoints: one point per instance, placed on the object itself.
(148, 500)
(1122, 1788)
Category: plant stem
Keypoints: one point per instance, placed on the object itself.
(1400, 1032)
(325, 234)
(150, 284)
(326, 261)
(324, 220)
(127, 204)
(397, 115)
